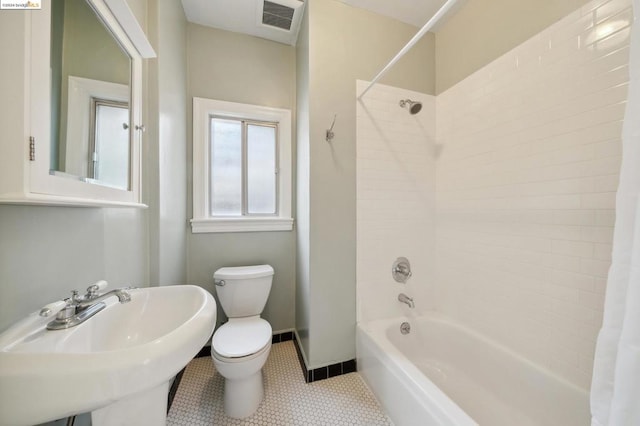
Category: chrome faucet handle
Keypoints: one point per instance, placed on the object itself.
(401, 270)
(61, 308)
(53, 308)
(93, 291)
(66, 312)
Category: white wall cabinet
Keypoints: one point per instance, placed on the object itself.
(28, 169)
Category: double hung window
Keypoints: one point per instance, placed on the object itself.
(244, 170)
(242, 167)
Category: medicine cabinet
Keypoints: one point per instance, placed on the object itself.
(82, 141)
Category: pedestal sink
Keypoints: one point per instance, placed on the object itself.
(117, 364)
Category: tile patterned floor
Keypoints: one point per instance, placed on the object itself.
(341, 400)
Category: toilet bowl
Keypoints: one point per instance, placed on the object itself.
(241, 346)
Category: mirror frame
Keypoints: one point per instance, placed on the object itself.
(55, 188)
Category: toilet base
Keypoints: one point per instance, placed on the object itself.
(242, 397)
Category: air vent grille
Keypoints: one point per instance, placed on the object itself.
(277, 15)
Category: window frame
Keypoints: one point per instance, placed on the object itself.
(203, 221)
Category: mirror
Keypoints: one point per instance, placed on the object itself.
(90, 96)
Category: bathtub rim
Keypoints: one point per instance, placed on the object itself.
(375, 332)
(436, 403)
(375, 327)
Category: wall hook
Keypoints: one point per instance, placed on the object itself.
(329, 136)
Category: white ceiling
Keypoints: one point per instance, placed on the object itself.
(414, 12)
(244, 16)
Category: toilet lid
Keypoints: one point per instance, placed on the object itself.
(243, 272)
(242, 337)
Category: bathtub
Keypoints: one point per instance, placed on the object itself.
(442, 373)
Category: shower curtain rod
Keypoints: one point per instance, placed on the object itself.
(430, 23)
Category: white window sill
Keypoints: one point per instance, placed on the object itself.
(245, 224)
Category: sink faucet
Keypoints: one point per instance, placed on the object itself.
(78, 309)
(87, 300)
(406, 299)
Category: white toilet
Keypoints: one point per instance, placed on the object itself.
(241, 346)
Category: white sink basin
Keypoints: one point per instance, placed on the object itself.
(117, 355)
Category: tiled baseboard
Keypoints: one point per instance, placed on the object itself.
(313, 375)
(205, 351)
(283, 337)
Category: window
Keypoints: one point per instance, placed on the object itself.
(243, 175)
(241, 167)
(109, 143)
(97, 133)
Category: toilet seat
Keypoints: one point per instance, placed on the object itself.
(217, 357)
(241, 337)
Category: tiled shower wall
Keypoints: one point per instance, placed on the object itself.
(526, 177)
(395, 201)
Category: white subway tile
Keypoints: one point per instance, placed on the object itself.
(593, 301)
(606, 218)
(585, 364)
(600, 201)
(573, 280)
(573, 248)
(607, 183)
(600, 285)
(572, 311)
(611, 9)
(603, 252)
(567, 263)
(591, 7)
(595, 268)
(561, 292)
(574, 217)
(523, 159)
(609, 44)
(602, 166)
(598, 234)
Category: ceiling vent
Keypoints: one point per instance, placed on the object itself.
(281, 14)
(277, 15)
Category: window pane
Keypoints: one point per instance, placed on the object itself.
(261, 169)
(112, 146)
(226, 167)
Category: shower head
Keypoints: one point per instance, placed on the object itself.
(414, 106)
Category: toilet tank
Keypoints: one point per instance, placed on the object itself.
(243, 290)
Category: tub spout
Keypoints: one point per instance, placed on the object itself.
(406, 299)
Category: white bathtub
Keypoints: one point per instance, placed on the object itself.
(442, 373)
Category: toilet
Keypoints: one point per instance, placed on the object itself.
(241, 346)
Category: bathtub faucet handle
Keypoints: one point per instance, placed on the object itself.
(401, 270)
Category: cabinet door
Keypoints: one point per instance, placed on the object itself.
(53, 128)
